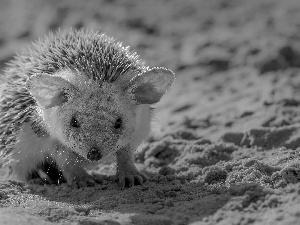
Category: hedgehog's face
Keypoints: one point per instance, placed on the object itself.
(96, 123)
(94, 120)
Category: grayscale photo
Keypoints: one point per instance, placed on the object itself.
(150, 112)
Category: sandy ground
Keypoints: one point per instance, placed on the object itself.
(226, 151)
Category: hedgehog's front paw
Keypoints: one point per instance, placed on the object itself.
(129, 176)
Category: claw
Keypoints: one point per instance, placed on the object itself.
(129, 180)
(139, 180)
(127, 173)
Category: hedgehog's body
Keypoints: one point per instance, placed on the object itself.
(75, 98)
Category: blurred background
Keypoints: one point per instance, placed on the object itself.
(231, 117)
(173, 33)
(194, 38)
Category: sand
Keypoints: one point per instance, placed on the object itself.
(224, 147)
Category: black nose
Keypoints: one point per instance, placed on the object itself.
(94, 154)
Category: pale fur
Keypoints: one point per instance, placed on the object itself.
(59, 79)
(142, 126)
(30, 150)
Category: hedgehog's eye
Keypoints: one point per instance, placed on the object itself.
(74, 122)
(118, 123)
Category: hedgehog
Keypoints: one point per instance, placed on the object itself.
(70, 100)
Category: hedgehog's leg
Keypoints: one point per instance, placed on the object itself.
(29, 151)
(126, 170)
(127, 173)
(71, 167)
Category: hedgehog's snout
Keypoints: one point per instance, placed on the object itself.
(94, 154)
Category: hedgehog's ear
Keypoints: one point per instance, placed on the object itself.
(48, 90)
(150, 86)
